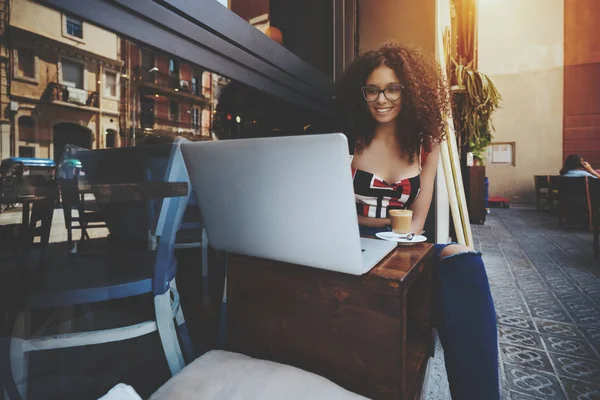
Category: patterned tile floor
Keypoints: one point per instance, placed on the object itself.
(546, 287)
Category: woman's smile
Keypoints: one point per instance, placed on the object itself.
(383, 79)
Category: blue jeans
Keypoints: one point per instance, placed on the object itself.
(466, 322)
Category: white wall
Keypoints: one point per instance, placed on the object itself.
(521, 47)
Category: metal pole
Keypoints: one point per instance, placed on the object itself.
(133, 122)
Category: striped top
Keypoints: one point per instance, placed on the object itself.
(376, 197)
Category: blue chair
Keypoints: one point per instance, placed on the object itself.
(85, 279)
(192, 234)
(69, 173)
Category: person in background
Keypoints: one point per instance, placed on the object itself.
(394, 104)
(575, 166)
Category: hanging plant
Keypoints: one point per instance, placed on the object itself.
(474, 99)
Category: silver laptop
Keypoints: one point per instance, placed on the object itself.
(286, 198)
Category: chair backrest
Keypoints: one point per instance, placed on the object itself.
(541, 182)
(555, 182)
(594, 190)
(169, 221)
(128, 221)
(574, 195)
(573, 189)
(161, 169)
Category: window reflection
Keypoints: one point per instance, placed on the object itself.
(76, 91)
(303, 27)
(89, 107)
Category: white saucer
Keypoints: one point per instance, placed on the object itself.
(400, 238)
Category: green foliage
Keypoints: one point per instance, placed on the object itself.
(479, 143)
(474, 99)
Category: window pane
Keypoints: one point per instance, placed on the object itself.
(173, 66)
(110, 138)
(72, 73)
(147, 59)
(26, 129)
(119, 130)
(26, 151)
(195, 85)
(174, 110)
(147, 118)
(195, 118)
(74, 27)
(110, 84)
(26, 64)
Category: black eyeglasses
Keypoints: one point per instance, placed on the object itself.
(392, 93)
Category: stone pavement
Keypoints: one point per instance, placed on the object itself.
(546, 287)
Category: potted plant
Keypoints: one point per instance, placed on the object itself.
(474, 99)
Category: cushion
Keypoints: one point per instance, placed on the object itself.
(121, 392)
(219, 375)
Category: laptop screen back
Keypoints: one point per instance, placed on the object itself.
(287, 198)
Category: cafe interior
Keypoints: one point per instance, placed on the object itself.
(129, 265)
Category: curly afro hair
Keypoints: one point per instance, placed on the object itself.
(425, 101)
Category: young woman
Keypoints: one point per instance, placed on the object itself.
(575, 166)
(395, 102)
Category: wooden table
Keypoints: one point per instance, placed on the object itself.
(138, 191)
(371, 334)
(25, 199)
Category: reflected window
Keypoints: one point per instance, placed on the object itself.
(147, 59)
(111, 85)
(111, 135)
(196, 119)
(26, 129)
(147, 112)
(74, 27)
(72, 73)
(195, 88)
(173, 67)
(25, 63)
(174, 110)
(26, 151)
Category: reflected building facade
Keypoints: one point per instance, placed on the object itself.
(66, 80)
(62, 82)
(165, 96)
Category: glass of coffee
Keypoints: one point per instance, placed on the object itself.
(401, 220)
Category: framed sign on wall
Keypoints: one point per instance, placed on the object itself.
(501, 153)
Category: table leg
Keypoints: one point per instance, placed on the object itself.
(25, 219)
(25, 234)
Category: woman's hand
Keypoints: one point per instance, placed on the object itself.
(586, 166)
